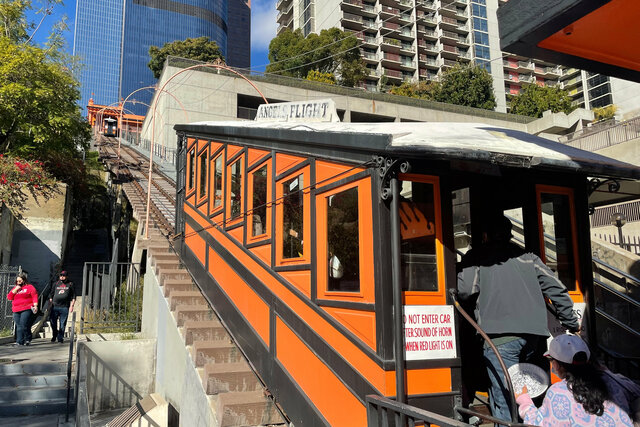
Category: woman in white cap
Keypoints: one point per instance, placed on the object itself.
(580, 399)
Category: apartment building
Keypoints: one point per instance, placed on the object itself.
(410, 40)
(405, 40)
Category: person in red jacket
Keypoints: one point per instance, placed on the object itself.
(25, 304)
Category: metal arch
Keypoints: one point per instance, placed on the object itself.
(388, 168)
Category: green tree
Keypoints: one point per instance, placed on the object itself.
(423, 89)
(38, 103)
(40, 119)
(605, 113)
(467, 85)
(332, 51)
(533, 100)
(317, 76)
(200, 49)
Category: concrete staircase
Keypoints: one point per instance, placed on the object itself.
(235, 393)
(33, 389)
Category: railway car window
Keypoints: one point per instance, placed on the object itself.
(259, 206)
(192, 169)
(236, 189)
(461, 221)
(343, 241)
(558, 237)
(203, 174)
(293, 217)
(517, 225)
(418, 230)
(217, 181)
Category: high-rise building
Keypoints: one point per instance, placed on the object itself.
(410, 40)
(112, 38)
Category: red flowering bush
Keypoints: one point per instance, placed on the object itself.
(20, 178)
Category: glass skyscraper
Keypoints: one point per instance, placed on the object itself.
(112, 37)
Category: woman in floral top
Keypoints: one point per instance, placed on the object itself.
(580, 399)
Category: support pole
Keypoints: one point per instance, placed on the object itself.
(396, 282)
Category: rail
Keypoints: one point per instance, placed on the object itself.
(69, 363)
(383, 412)
(599, 139)
(602, 215)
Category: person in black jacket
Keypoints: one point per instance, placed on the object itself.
(509, 287)
(62, 298)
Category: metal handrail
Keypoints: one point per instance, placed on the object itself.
(505, 371)
(491, 419)
(617, 322)
(615, 270)
(617, 293)
(412, 413)
(71, 340)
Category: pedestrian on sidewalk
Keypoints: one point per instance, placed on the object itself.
(62, 298)
(24, 305)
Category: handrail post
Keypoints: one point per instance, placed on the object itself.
(71, 340)
(396, 267)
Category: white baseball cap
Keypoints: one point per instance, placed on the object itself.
(565, 347)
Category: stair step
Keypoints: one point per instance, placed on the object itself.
(185, 313)
(249, 408)
(177, 285)
(34, 407)
(230, 377)
(9, 395)
(163, 258)
(33, 380)
(186, 298)
(221, 351)
(165, 275)
(210, 330)
(32, 368)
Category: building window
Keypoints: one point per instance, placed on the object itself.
(293, 218)
(217, 181)
(203, 174)
(480, 24)
(259, 207)
(343, 241)
(236, 189)
(418, 230)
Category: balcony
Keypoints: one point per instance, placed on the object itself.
(387, 12)
(283, 3)
(407, 48)
(524, 78)
(427, 75)
(407, 64)
(405, 18)
(567, 84)
(285, 15)
(393, 74)
(447, 63)
(372, 24)
(373, 73)
(370, 57)
(407, 34)
(389, 44)
(369, 10)
(369, 41)
(352, 5)
(428, 47)
(390, 58)
(426, 4)
(351, 20)
(525, 66)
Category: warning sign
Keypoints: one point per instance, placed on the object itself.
(555, 328)
(429, 332)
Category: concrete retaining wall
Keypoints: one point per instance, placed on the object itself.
(110, 383)
(176, 379)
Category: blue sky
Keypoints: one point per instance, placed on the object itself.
(263, 27)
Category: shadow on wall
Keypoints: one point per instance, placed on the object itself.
(34, 252)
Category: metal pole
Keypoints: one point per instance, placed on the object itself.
(620, 237)
(396, 282)
(71, 338)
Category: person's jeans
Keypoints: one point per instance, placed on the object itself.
(61, 313)
(522, 349)
(22, 320)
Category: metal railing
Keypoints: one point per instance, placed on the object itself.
(383, 412)
(596, 139)
(160, 152)
(602, 215)
(628, 243)
(8, 275)
(111, 297)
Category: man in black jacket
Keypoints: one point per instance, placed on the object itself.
(510, 286)
(63, 298)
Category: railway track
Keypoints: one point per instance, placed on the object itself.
(131, 170)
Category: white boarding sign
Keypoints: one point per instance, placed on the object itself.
(429, 332)
(320, 110)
